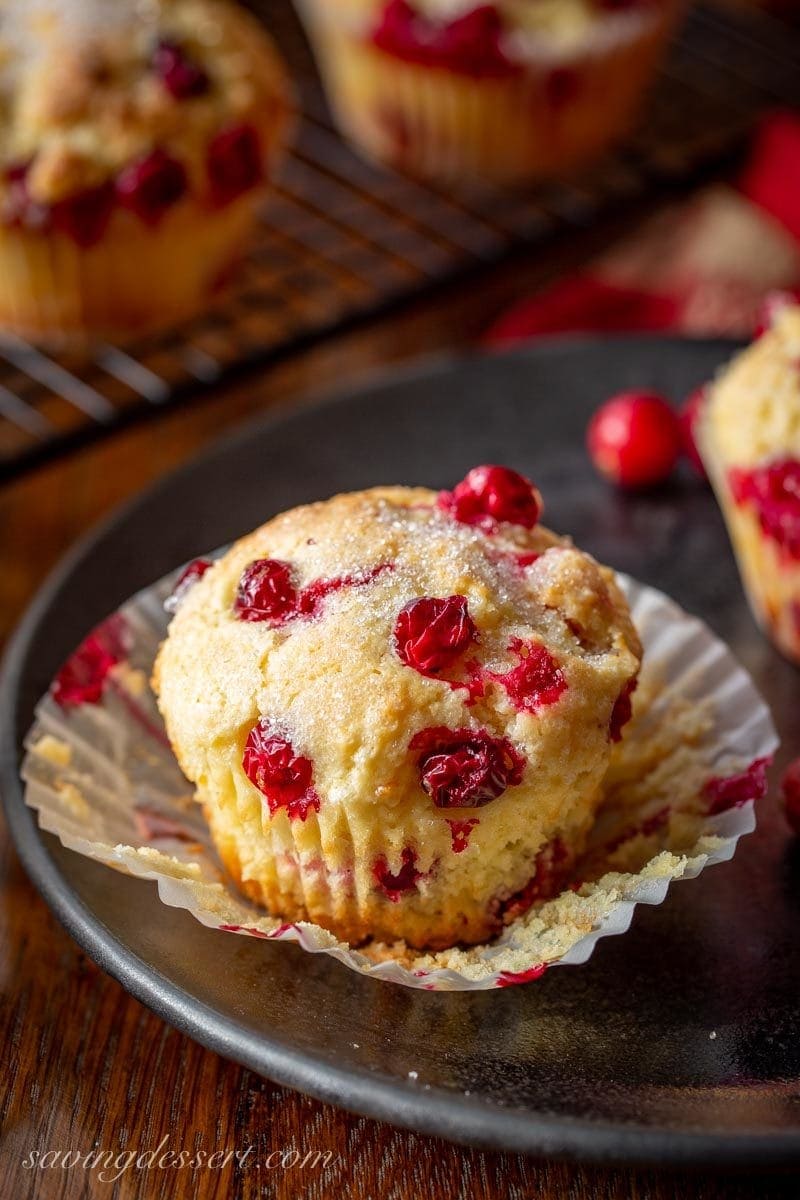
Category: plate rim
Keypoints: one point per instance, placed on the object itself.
(434, 1111)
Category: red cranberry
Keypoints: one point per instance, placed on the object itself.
(491, 494)
(622, 711)
(311, 597)
(470, 44)
(185, 582)
(790, 794)
(465, 768)
(510, 978)
(689, 417)
(735, 790)
(181, 77)
(430, 633)
(634, 439)
(266, 592)
(18, 208)
(405, 880)
(460, 833)
(772, 306)
(551, 870)
(82, 678)
(84, 216)
(283, 777)
(774, 492)
(151, 185)
(234, 163)
(536, 682)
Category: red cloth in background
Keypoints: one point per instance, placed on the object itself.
(771, 178)
(704, 270)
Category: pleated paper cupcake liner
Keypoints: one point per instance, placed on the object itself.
(679, 794)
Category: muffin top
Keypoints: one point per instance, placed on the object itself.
(524, 26)
(398, 648)
(90, 86)
(753, 409)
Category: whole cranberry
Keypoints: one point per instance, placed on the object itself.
(790, 794)
(151, 185)
(266, 592)
(284, 778)
(634, 439)
(465, 768)
(490, 494)
(430, 633)
(83, 217)
(689, 416)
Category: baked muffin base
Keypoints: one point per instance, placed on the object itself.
(135, 279)
(439, 124)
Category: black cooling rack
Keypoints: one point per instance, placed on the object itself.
(342, 241)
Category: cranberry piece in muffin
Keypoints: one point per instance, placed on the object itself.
(266, 592)
(395, 884)
(84, 216)
(181, 76)
(773, 491)
(430, 633)
(235, 163)
(152, 185)
(283, 777)
(469, 44)
(465, 768)
(536, 682)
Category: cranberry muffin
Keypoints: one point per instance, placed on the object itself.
(137, 140)
(506, 91)
(397, 707)
(748, 434)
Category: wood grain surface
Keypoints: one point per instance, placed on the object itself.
(86, 1068)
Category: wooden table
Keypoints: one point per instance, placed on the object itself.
(86, 1066)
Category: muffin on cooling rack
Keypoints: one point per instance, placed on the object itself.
(397, 707)
(505, 92)
(137, 141)
(749, 437)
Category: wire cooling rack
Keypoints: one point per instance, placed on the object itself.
(342, 241)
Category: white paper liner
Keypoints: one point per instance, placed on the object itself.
(103, 779)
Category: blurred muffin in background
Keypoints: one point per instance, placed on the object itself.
(508, 92)
(749, 437)
(136, 143)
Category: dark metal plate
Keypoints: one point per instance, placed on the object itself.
(614, 1060)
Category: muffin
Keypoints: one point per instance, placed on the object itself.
(397, 708)
(749, 437)
(505, 92)
(137, 140)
